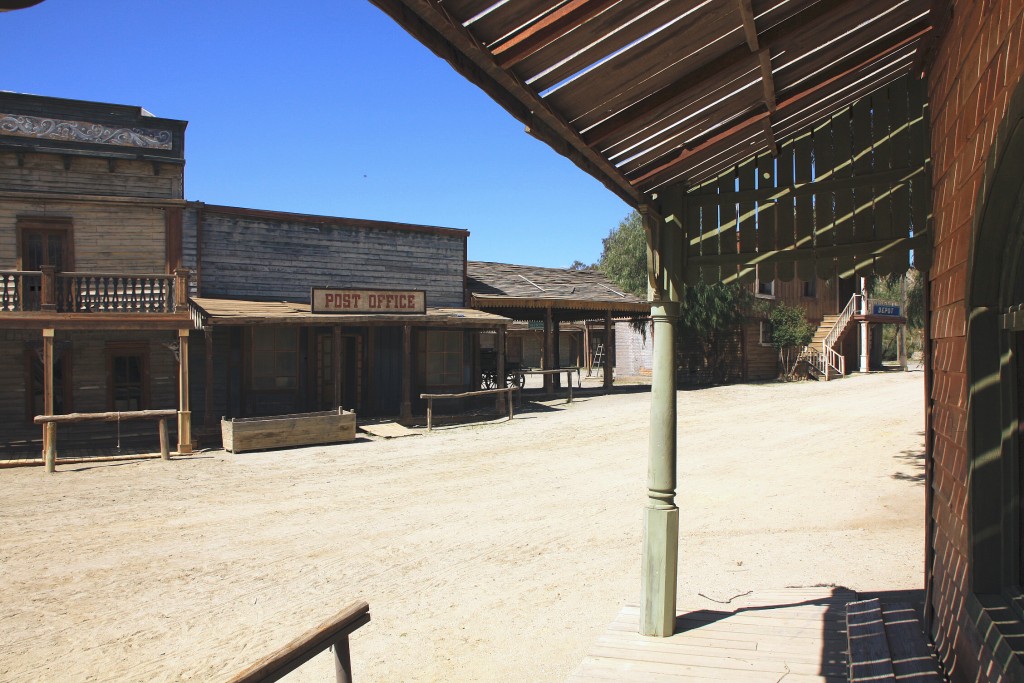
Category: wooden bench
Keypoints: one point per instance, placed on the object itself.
(332, 633)
(466, 394)
(887, 644)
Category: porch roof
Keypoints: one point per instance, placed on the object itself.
(577, 294)
(217, 312)
(644, 95)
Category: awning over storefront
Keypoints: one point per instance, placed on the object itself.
(525, 292)
(217, 312)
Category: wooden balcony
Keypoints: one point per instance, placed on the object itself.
(82, 299)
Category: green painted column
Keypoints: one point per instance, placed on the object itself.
(661, 516)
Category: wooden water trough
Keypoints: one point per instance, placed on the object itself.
(283, 431)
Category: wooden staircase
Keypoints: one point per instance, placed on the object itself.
(821, 356)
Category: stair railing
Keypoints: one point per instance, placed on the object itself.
(828, 351)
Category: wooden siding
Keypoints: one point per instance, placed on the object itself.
(89, 388)
(762, 361)
(108, 238)
(271, 258)
(40, 172)
(825, 302)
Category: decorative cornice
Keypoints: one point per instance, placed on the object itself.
(82, 131)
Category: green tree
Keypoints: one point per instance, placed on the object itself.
(711, 314)
(624, 255)
(790, 334)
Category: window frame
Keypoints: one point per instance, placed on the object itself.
(763, 326)
(295, 350)
(757, 289)
(46, 224)
(811, 285)
(459, 354)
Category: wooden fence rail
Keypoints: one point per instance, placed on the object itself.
(466, 394)
(332, 633)
(50, 423)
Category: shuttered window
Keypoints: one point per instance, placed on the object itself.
(440, 354)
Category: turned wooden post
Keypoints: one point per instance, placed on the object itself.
(184, 410)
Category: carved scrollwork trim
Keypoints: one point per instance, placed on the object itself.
(84, 131)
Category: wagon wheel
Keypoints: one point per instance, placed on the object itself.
(488, 380)
(515, 379)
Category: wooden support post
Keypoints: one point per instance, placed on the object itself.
(510, 402)
(865, 352)
(661, 516)
(430, 413)
(549, 352)
(208, 416)
(48, 289)
(500, 380)
(556, 358)
(48, 336)
(180, 290)
(184, 409)
(50, 438)
(609, 347)
(342, 661)
(406, 414)
(568, 380)
(336, 364)
(165, 449)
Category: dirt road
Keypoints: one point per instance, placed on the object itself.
(494, 552)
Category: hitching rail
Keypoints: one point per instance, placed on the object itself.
(568, 376)
(466, 394)
(332, 633)
(50, 423)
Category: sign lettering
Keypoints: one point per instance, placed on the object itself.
(341, 301)
(885, 309)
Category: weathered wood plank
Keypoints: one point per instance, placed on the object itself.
(280, 431)
(869, 650)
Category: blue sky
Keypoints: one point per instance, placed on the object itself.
(323, 107)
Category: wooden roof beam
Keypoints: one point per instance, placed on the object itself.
(708, 73)
(673, 159)
(766, 79)
(547, 30)
(766, 124)
(749, 27)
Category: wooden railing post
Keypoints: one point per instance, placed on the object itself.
(180, 289)
(342, 660)
(165, 449)
(48, 289)
(184, 411)
(50, 456)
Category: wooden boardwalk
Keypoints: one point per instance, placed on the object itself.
(794, 635)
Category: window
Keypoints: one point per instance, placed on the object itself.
(440, 355)
(45, 242)
(765, 334)
(275, 359)
(766, 288)
(127, 376)
(809, 288)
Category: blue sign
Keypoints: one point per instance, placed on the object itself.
(885, 309)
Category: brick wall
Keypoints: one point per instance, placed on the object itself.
(977, 67)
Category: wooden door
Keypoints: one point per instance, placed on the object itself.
(324, 371)
(45, 247)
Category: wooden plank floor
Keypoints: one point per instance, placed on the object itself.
(796, 635)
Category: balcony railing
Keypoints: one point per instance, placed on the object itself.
(49, 291)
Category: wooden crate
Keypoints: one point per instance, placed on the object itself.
(281, 431)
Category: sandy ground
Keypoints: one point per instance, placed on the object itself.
(492, 552)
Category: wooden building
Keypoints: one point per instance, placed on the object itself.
(264, 350)
(92, 295)
(551, 297)
(809, 138)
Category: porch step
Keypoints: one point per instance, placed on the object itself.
(887, 643)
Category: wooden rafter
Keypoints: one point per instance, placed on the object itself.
(767, 81)
(701, 77)
(749, 27)
(766, 125)
(841, 70)
(550, 28)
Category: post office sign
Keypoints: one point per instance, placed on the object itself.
(391, 301)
